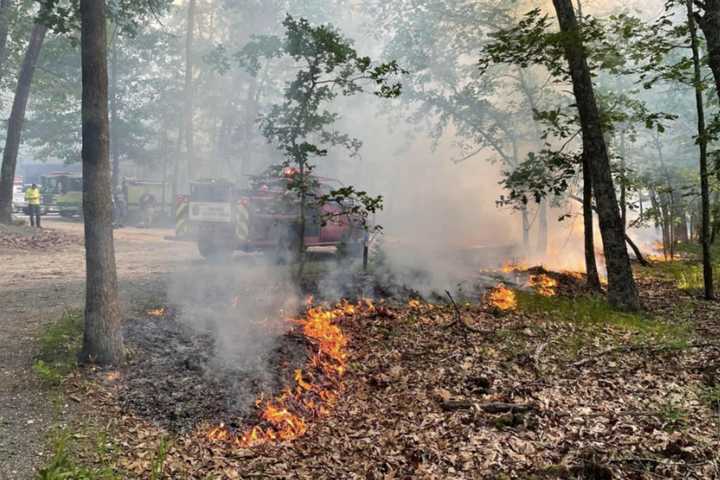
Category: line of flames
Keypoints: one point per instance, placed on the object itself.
(286, 415)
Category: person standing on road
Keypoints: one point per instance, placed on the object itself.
(32, 197)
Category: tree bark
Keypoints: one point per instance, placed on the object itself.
(189, 137)
(525, 228)
(17, 120)
(542, 247)
(593, 278)
(102, 342)
(710, 25)
(114, 141)
(622, 291)
(702, 143)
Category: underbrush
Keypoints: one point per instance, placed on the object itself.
(61, 465)
(592, 315)
(686, 271)
(59, 345)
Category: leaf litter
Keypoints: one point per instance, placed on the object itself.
(499, 394)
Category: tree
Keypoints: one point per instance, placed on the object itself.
(301, 126)
(709, 22)
(702, 141)
(102, 341)
(188, 113)
(622, 292)
(17, 119)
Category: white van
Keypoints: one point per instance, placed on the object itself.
(19, 203)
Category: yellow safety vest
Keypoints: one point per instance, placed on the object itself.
(32, 196)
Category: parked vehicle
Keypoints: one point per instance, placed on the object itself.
(18, 202)
(264, 217)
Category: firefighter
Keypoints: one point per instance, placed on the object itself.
(32, 197)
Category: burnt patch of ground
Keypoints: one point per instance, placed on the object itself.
(176, 377)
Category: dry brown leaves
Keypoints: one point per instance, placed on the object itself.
(415, 406)
(28, 238)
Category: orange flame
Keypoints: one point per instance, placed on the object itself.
(511, 266)
(157, 312)
(287, 413)
(544, 285)
(502, 298)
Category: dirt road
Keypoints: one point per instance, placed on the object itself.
(36, 287)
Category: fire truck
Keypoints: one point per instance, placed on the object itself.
(265, 217)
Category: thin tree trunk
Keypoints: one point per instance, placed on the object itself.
(622, 291)
(702, 142)
(623, 178)
(525, 228)
(189, 136)
(102, 342)
(17, 119)
(114, 141)
(542, 246)
(593, 278)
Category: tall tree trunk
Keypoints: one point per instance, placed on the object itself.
(525, 228)
(17, 119)
(189, 134)
(593, 278)
(622, 291)
(702, 143)
(623, 179)
(710, 24)
(6, 7)
(114, 141)
(102, 342)
(542, 247)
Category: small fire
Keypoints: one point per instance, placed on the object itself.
(157, 312)
(285, 416)
(511, 266)
(502, 298)
(544, 285)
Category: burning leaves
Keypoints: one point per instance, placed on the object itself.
(316, 390)
(502, 298)
(544, 285)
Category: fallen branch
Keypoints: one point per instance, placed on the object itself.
(636, 348)
(493, 407)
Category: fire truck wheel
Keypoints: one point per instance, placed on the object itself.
(210, 249)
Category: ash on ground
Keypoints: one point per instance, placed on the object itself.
(175, 379)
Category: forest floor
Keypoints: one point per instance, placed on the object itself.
(543, 381)
(42, 278)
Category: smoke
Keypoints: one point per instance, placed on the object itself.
(244, 305)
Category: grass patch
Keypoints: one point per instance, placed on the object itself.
(685, 271)
(61, 466)
(59, 345)
(593, 312)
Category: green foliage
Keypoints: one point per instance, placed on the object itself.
(711, 396)
(673, 416)
(62, 16)
(61, 466)
(592, 312)
(302, 126)
(59, 345)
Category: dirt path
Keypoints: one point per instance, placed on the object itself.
(35, 288)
